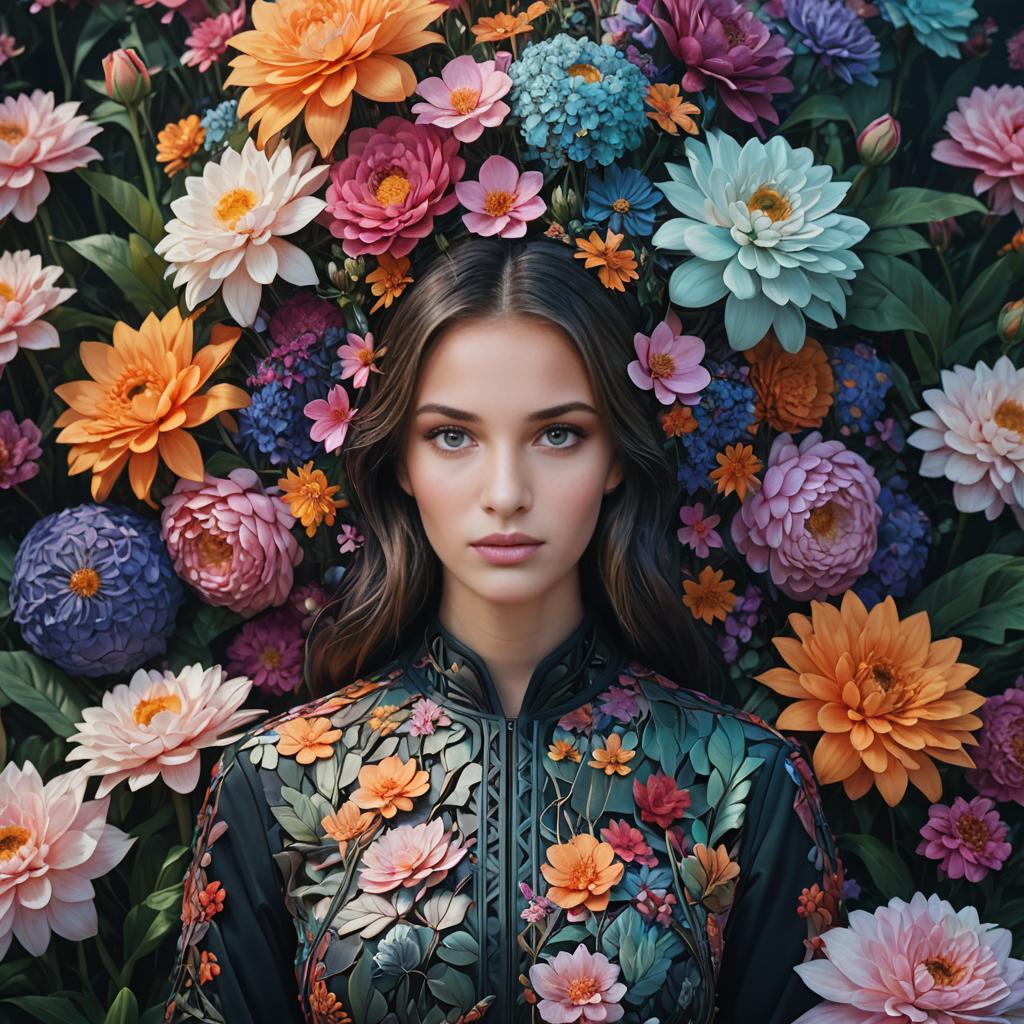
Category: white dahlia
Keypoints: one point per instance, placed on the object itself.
(227, 231)
(973, 435)
(760, 223)
(27, 292)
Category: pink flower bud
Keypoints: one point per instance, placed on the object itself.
(878, 142)
(127, 78)
(1011, 322)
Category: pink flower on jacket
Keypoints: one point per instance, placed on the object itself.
(697, 532)
(503, 201)
(628, 843)
(968, 839)
(358, 358)
(426, 717)
(410, 856)
(670, 364)
(660, 800)
(466, 98)
(331, 417)
(579, 986)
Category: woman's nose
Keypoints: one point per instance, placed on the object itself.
(505, 487)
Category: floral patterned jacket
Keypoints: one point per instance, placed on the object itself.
(400, 852)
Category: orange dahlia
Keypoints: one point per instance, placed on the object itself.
(141, 400)
(581, 871)
(886, 698)
(309, 57)
(389, 787)
(793, 390)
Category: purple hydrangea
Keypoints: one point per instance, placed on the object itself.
(844, 43)
(740, 623)
(94, 591)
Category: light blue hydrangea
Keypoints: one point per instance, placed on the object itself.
(938, 24)
(219, 121)
(577, 100)
(760, 224)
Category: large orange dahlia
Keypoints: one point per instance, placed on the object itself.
(311, 55)
(886, 697)
(142, 399)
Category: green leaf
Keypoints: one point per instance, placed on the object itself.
(894, 241)
(114, 256)
(102, 19)
(128, 202)
(366, 1003)
(41, 689)
(962, 349)
(64, 318)
(815, 110)
(368, 914)
(919, 206)
(49, 1009)
(887, 870)
(124, 1009)
(981, 303)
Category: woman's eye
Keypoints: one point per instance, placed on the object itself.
(565, 433)
(447, 432)
(558, 435)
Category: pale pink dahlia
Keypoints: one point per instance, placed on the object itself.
(813, 522)
(987, 135)
(920, 962)
(231, 541)
(208, 40)
(396, 178)
(27, 292)
(157, 724)
(968, 839)
(19, 449)
(466, 98)
(503, 201)
(669, 363)
(53, 842)
(998, 770)
(579, 986)
(39, 137)
(408, 856)
(973, 435)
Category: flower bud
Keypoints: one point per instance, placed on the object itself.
(126, 77)
(1010, 325)
(878, 142)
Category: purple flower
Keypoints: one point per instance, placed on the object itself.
(304, 314)
(19, 449)
(698, 532)
(628, 22)
(270, 650)
(843, 41)
(968, 839)
(539, 906)
(621, 703)
(740, 623)
(999, 756)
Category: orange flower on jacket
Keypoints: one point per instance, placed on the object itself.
(581, 871)
(141, 400)
(612, 757)
(886, 698)
(390, 785)
(309, 56)
(307, 739)
(347, 824)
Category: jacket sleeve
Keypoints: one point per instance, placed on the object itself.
(236, 952)
(789, 892)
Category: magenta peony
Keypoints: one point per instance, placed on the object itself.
(503, 201)
(305, 314)
(410, 855)
(396, 178)
(986, 134)
(19, 449)
(968, 839)
(270, 650)
(579, 986)
(999, 757)
(813, 522)
(466, 99)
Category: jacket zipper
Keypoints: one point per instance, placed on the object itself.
(509, 882)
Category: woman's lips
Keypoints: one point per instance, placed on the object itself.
(506, 554)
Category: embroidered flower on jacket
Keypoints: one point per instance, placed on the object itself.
(660, 800)
(426, 717)
(409, 855)
(307, 739)
(579, 986)
(612, 757)
(347, 824)
(628, 843)
(390, 785)
(581, 872)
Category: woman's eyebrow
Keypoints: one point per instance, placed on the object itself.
(472, 417)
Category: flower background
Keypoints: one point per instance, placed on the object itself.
(819, 204)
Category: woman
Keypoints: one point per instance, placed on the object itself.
(511, 801)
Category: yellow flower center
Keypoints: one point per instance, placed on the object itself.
(581, 990)
(213, 549)
(1010, 416)
(973, 831)
(499, 202)
(772, 203)
(234, 205)
(11, 132)
(585, 71)
(621, 206)
(661, 365)
(84, 582)
(134, 381)
(392, 189)
(6, 291)
(271, 657)
(465, 99)
(583, 874)
(823, 522)
(144, 711)
(883, 676)
(944, 971)
(12, 839)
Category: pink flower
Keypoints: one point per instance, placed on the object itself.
(987, 135)
(38, 138)
(303, 318)
(331, 417)
(231, 541)
(9, 48)
(426, 717)
(699, 533)
(55, 842)
(580, 986)
(357, 359)
(919, 961)
(270, 650)
(171, 5)
(968, 839)
(126, 77)
(409, 855)
(1015, 50)
(385, 194)
(19, 449)
(306, 601)
(349, 539)
(669, 363)
(27, 292)
(466, 98)
(660, 800)
(539, 907)
(999, 757)
(813, 522)
(655, 905)
(157, 724)
(208, 40)
(503, 201)
(629, 843)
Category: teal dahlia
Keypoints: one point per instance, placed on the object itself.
(577, 100)
(941, 25)
(761, 226)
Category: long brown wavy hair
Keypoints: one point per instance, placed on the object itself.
(628, 570)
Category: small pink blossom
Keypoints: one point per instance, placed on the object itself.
(466, 98)
(208, 41)
(503, 201)
(580, 986)
(357, 359)
(270, 650)
(655, 905)
(1015, 50)
(580, 719)
(331, 417)
(171, 5)
(629, 843)
(426, 717)
(669, 363)
(699, 533)
(9, 48)
(349, 539)
(539, 906)
(968, 839)
(19, 449)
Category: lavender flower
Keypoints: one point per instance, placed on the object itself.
(841, 39)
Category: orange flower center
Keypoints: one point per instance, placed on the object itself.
(392, 189)
(974, 832)
(585, 71)
(621, 206)
(823, 522)
(465, 99)
(944, 971)
(11, 132)
(1010, 416)
(5, 455)
(882, 675)
(213, 549)
(661, 365)
(6, 291)
(144, 711)
(12, 839)
(584, 873)
(772, 203)
(581, 990)
(271, 657)
(134, 381)
(84, 582)
(234, 205)
(499, 202)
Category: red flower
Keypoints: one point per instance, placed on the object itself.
(660, 800)
(212, 900)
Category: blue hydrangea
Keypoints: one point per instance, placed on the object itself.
(94, 591)
(938, 24)
(219, 121)
(624, 198)
(838, 35)
(577, 100)
(862, 382)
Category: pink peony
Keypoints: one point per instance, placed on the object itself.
(54, 843)
(357, 359)
(699, 533)
(426, 717)
(271, 651)
(503, 201)
(920, 961)
(9, 48)
(999, 757)
(466, 98)
(580, 986)
(385, 194)
(231, 540)
(157, 724)
(19, 449)
(39, 137)
(987, 135)
(409, 855)
(331, 417)
(208, 40)
(968, 839)
(304, 317)
(27, 292)
(720, 40)
(813, 522)
(670, 363)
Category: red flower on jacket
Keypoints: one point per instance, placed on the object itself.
(660, 800)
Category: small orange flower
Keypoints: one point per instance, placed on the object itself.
(390, 786)
(581, 871)
(617, 266)
(562, 749)
(504, 26)
(208, 966)
(679, 420)
(177, 142)
(310, 498)
(349, 823)
(380, 719)
(389, 279)
(1015, 244)
(350, 693)
(325, 1005)
(612, 758)
(793, 390)
(738, 469)
(307, 739)
(670, 111)
(708, 597)
(712, 874)
(211, 899)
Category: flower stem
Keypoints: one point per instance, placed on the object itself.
(147, 170)
(61, 62)
(184, 813)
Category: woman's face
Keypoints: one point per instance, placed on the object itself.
(499, 456)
